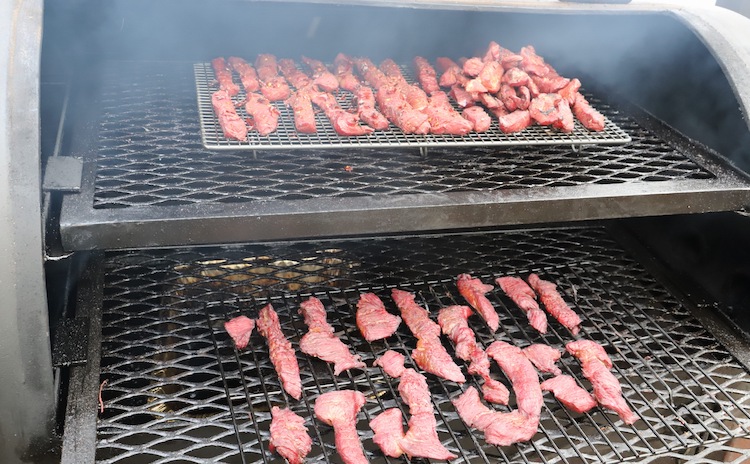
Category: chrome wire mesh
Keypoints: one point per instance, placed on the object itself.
(149, 153)
(287, 137)
(178, 391)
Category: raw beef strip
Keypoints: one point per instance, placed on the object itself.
(491, 75)
(589, 117)
(421, 440)
(304, 115)
(522, 375)
(416, 97)
(473, 66)
(344, 73)
(392, 363)
(389, 432)
(292, 74)
(543, 357)
(240, 328)
(570, 91)
(370, 72)
(525, 298)
(607, 389)
(513, 122)
(473, 290)
(500, 428)
(431, 356)
(248, 76)
(443, 118)
(495, 391)
(569, 393)
(365, 101)
(321, 342)
(230, 122)
(479, 119)
(426, 75)
(344, 122)
(273, 86)
(265, 116)
(289, 435)
(397, 109)
(323, 78)
(416, 317)
(543, 109)
(565, 121)
(281, 351)
(373, 320)
(224, 77)
(554, 303)
(339, 409)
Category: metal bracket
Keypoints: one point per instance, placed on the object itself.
(71, 342)
(63, 174)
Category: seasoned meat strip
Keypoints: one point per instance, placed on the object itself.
(289, 435)
(273, 86)
(292, 74)
(473, 290)
(443, 118)
(224, 76)
(373, 320)
(304, 115)
(525, 298)
(281, 351)
(240, 328)
(596, 366)
(230, 122)
(500, 428)
(321, 342)
(522, 376)
(569, 393)
(344, 123)
(416, 317)
(339, 409)
(364, 98)
(415, 97)
(426, 75)
(589, 117)
(479, 118)
(543, 357)
(554, 303)
(248, 76)
(265, 116)
(513, 122)
(345, 72)
(323, 78)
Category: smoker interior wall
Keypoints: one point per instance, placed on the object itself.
(651, 58)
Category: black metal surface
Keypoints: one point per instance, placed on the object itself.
(177, 390)
(148, 180)
(71, 342)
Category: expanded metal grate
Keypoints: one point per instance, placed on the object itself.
(150, 153)
(177, 390)
(287, 137)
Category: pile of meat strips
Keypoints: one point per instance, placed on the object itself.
(521, 366)
(517, 89)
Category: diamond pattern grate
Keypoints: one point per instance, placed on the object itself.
(178, 391)
(150, 154)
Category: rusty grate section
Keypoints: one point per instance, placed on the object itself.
(150, 153)
(177, 390)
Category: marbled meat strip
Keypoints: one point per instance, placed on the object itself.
(322, 77)
(392, 363)
(248, 76)
(522, 375)
(473, 290)
(525, 298)
(264, 116)
(364, 99)
(373, 320)
(289, 435)
(554, 304)
(430, 355)
(344, 123)
(569, 393)
(292, 74)
(426, 75)
(345, 72)
(281, 351)
(230, 122)
(499, 428)
(589, 117)
(443, 118)
(596, 366)
(321, 342)
(339, 409)
(272, 85)
(240, 328)
(543, 357)
(397, 109)
(416, 317)
(416, 97)
(388, 432)
(304, 115)
(224, 76)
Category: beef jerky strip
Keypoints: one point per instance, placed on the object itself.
(240, 328)
(453, 322)
(344, 123)
(322, 77)
(569, 393)
(525, 298)
(426, 75)
(554, 303)
(321, 342)
(300, 101)
(272, 85)
(248, 76)
(224, 76)
(473, 290)
(596, 366)
(589, 117)
(543, 357)
(281, 351)
(443, 118)
(388, 432)
(344, 67)
(293, 75)
(289, 435)
(373, 320)
(478, 118)
(230, 122)
(339, 409)
(365, 101)
(416, 97)
(264, 116)
(522, 376)
(392, 363)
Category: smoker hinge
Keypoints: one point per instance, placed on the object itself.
(71, 343)
(62, 174)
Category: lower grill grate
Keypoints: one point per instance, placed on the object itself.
(177, 390)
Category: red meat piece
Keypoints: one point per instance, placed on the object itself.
(321, 342)
(514, 77)
(461, 96)
(443, 118)
(431, 356)
(374, 76)
(339, 409)
(292, 74)
(224, 76)
(501, 429)
(565, 123)
(304, 115)
(550, 83)
(373, 320)
(607, 390)
(416, 97)
(364, 98)
(491, 76)
(514, 122)
(570, 91)
(543, 109)
(416, 317)
(495, 392)
(265, 116)
(397, 109)
(281, 351)
(569, 393)
(273, 86)
(473, 290)
(478, 118)
(533, 63)
(248, 76)
(392, 363)
(522, 376)
(344, 123)
(554, 303)
(240, 328)
(426, 75)
(525, 298)
(473, 66)
(230, 122)
(543, 357)
(322, 77)
(389, 432)
(589, 117)
(289, 435)
(344, 72)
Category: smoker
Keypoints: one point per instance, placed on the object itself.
(132, 232)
